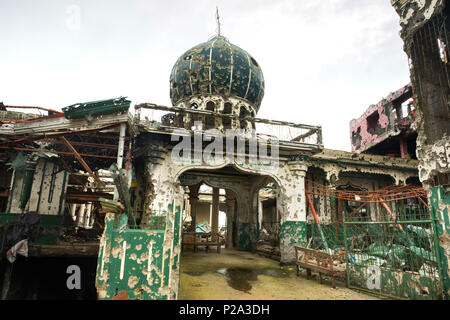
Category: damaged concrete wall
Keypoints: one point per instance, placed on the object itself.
(142, 262)
(292, 208)
(425, 32)
(414, 13)
(333, 162)
(17, 185)
(379, 122)
(48, 189)
(434, 158)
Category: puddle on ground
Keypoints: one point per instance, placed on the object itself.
(239, 278)
(194, 273)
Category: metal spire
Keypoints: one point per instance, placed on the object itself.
(218, 21)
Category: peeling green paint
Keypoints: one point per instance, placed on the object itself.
(439, 205)
(291, 233)
(396, 283)
(142, 262)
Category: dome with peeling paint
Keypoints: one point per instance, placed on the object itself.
(217, 67)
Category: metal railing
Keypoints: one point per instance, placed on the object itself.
(165, 119)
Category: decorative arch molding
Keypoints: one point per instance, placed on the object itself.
(207, 181)
(226, 163)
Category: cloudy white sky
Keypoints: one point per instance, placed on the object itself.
(324, 61)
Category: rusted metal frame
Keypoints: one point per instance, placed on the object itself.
(392, 192)
(357, 209)
(383, 203)
(33, 107)
(421, 200)
(58, 152)
(81, 160)
(317, 221)
(59, 133)
(102, 136)
(33, 119)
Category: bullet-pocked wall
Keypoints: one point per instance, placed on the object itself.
(425, 27)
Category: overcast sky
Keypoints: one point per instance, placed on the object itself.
(324, 61)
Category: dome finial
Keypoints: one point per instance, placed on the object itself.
(218, 21)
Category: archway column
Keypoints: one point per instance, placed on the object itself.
(193, 201)
(215, 211)
(230, 203)
(293, 212)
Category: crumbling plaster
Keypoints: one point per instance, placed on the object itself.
(414, 14)
(385, 127)
(433, 158)
(333, 162)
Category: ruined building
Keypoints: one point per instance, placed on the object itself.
(425, 29)
(385, 128)
(116, 190)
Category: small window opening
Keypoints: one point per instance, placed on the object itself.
(209, 121)
(227, 109)
(372, 122)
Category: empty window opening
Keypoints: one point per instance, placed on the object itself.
(372, 122)
(210, 106)
(228, 107)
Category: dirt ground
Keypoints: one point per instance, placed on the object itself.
(236, 275)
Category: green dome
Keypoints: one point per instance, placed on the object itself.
(217, 67)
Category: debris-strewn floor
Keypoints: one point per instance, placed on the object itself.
(241, 275)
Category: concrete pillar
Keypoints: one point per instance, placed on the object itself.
(293, 213)
(91, 218)
(244, 228)
(231, 206)
(187, 208)
(215, 211)
(87, 215)
(80, 217)
(260, 212)
(193, 200)
(73, 211)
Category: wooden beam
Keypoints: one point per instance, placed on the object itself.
(81, 160)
